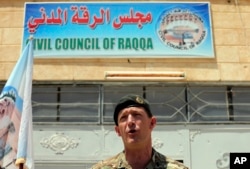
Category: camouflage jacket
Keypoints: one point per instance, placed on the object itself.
(158, 161)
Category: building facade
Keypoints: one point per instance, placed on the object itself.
(202, 117)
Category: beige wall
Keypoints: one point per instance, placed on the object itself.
(231, 30)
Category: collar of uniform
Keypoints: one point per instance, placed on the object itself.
(151, 164)
(123, 164)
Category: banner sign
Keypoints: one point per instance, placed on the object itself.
(119, 29)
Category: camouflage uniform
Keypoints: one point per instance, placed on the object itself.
(158, 161)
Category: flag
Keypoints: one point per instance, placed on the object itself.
(16, 114)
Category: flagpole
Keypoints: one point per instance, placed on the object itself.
(27, 106)
(21, 166)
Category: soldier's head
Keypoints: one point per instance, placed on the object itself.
(134, 121)
(131, 100)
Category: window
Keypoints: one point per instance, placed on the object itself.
(94, 103)
(168, 103)
(206, 104)
(240, 102)
(66, 103)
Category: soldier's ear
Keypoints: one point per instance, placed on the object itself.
(117, 131)
(153, 122)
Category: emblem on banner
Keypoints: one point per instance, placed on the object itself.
(181, 29)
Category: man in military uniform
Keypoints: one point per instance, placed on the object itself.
(134, 124)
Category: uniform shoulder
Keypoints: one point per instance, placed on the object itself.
(171, 163)
(110, 163)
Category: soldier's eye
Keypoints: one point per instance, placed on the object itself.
(122, 118)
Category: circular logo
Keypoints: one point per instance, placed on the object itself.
(181, 29)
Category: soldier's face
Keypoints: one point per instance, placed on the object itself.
(134, 126)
